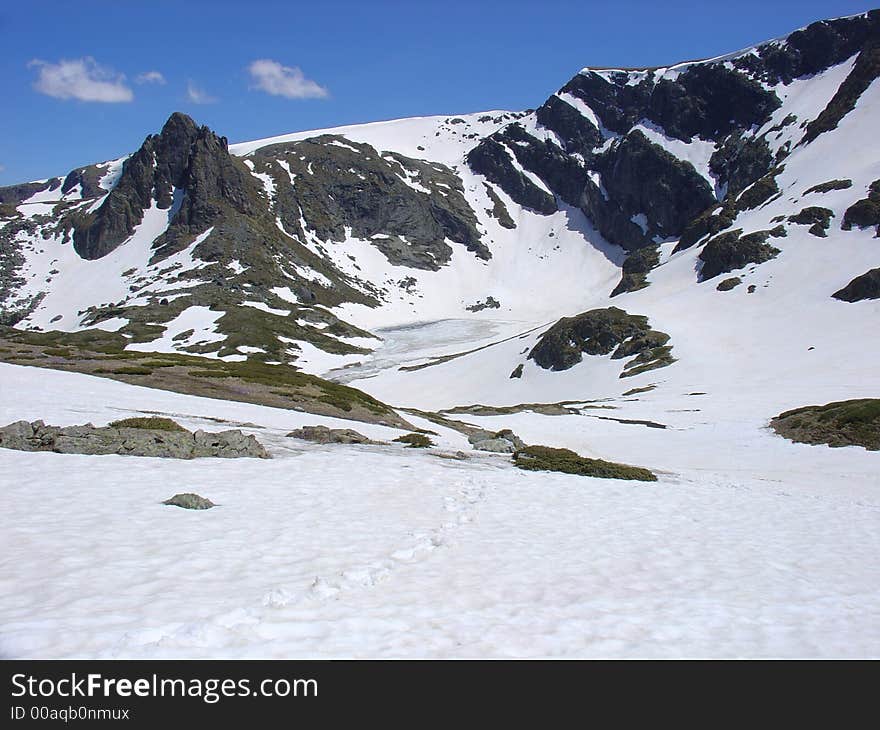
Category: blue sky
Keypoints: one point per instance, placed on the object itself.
(87, 81)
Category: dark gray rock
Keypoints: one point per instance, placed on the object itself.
(501, 442)
(866, 286)
(864, 213)
(14, 194)
(488, 303)
(493, 160)
(597, 332)
(182, 156)
(741, 161)
(810, 50)
(343, 184)
(577, 133)
(636, 267)
(819, 219)
(731, 251)
(641, 178)
(863, 73)
(707, 100)
(560, 172)
(87, 178)
(498, 210)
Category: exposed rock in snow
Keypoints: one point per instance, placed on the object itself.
(324, 435)
(189, 500)
(88, 439)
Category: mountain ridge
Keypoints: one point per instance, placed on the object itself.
(302, 249)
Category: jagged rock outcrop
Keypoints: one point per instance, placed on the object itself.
(819, 219)
(89, 439)
(812, 49)
(635, 192)
(639, 178)
(866, 286)
(600, 332)
(577, 133)
(181, 157)
(15, 194)
(731, 251)
(494, 161)
(864, 213)
(636, 268)
(741, 161)
(88, 179)
(706, 100)
(407, 208)
(865, 70)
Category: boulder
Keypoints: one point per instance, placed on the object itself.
(866, 286)
(597, 332)
(498, 446)
(325, 435)
(189, 500)
(501, 442)
(732, 250)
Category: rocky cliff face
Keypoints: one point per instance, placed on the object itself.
(588, 146)
(407, 208)
(182, 157)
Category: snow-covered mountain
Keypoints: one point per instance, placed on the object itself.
(741, 188)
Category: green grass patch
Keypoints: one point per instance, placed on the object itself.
(827, 187)
(547, 458)
(92, 340)
(131, 371)
(151, 423)
(842, 423)
(415, 440)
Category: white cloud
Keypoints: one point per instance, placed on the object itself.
(150, 77)
(290, 82)
(197, 95)
(82, 79)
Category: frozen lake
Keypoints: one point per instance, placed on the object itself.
(420, 342)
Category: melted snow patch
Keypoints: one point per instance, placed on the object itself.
(263, 307)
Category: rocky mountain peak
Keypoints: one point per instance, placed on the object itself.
(183, 158)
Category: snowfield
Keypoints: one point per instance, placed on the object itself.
(381, 551)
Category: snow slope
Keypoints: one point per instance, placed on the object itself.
(734, 345)
(304, 557)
